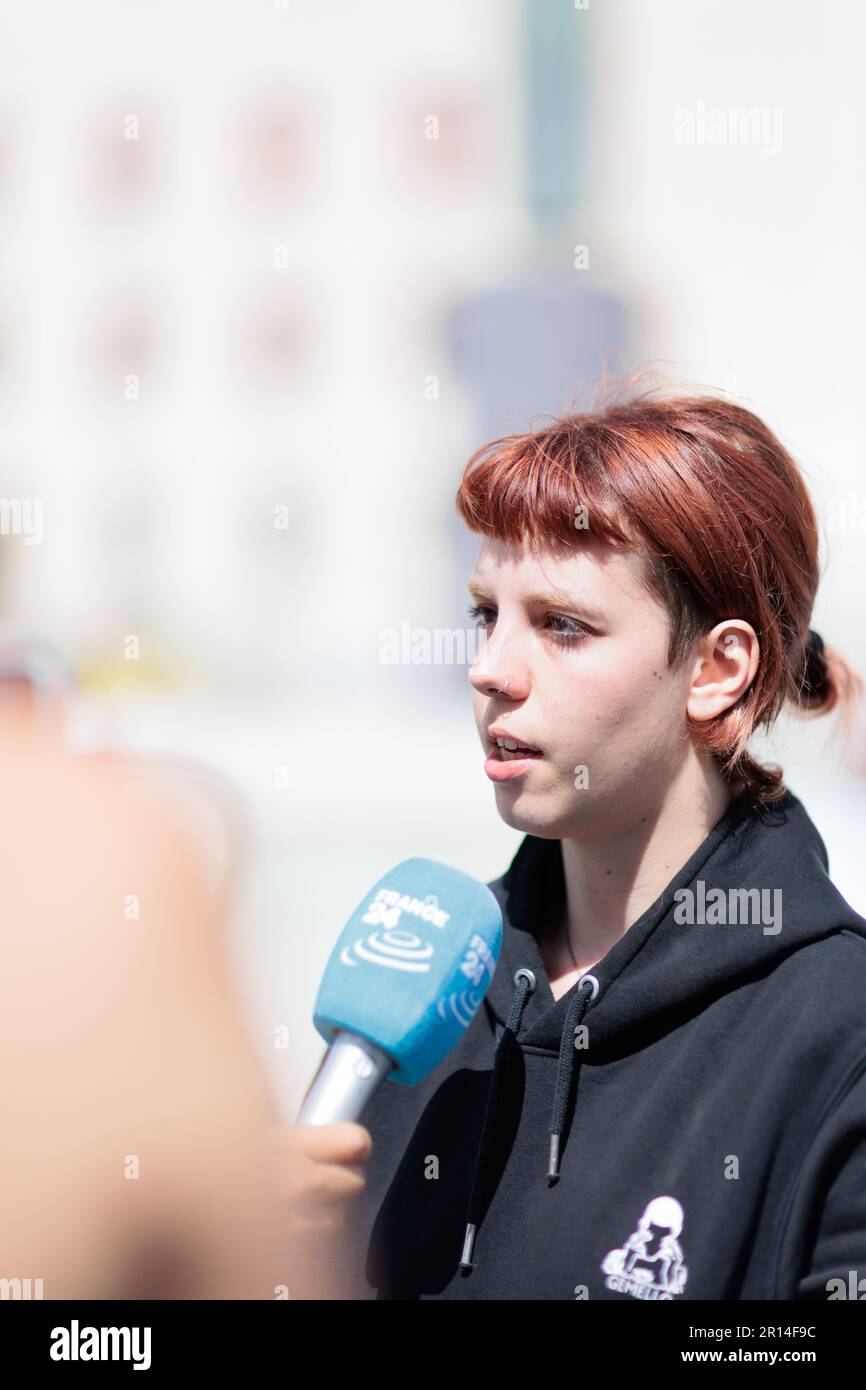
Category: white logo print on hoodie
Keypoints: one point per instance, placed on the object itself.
(650, 1264)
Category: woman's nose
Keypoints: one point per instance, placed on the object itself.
(489, 681)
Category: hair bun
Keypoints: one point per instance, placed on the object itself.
(816, 678)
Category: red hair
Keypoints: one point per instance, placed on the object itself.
(707, 492)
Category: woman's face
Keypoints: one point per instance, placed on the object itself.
(574, 663)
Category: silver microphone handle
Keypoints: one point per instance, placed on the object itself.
(351, 1072)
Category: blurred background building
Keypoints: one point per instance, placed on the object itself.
(272, 271)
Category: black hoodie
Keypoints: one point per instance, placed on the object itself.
(701, 1092)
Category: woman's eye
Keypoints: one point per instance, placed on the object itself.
(567, 629)
(563, 628)
(479, 612)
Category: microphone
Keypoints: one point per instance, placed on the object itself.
(402, 985)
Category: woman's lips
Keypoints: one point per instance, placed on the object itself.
(504, 765)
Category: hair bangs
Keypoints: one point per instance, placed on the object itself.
(543, 489)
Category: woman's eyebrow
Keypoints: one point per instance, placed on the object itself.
(550, 598)
(475, 591)
(555, 598)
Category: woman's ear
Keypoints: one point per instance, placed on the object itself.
(724, 667)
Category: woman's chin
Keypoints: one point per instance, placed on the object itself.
(532, 815)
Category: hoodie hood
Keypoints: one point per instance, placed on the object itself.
(743, 900)
(666, 965)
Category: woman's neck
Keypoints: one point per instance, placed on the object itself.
(611, 879)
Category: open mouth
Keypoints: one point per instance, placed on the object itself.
(511, 749)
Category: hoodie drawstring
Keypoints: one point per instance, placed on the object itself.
(524, 985)
(565, 1070)
(524, 982)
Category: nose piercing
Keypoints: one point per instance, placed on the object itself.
(503, 689)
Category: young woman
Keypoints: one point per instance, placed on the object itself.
(663, 1095)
